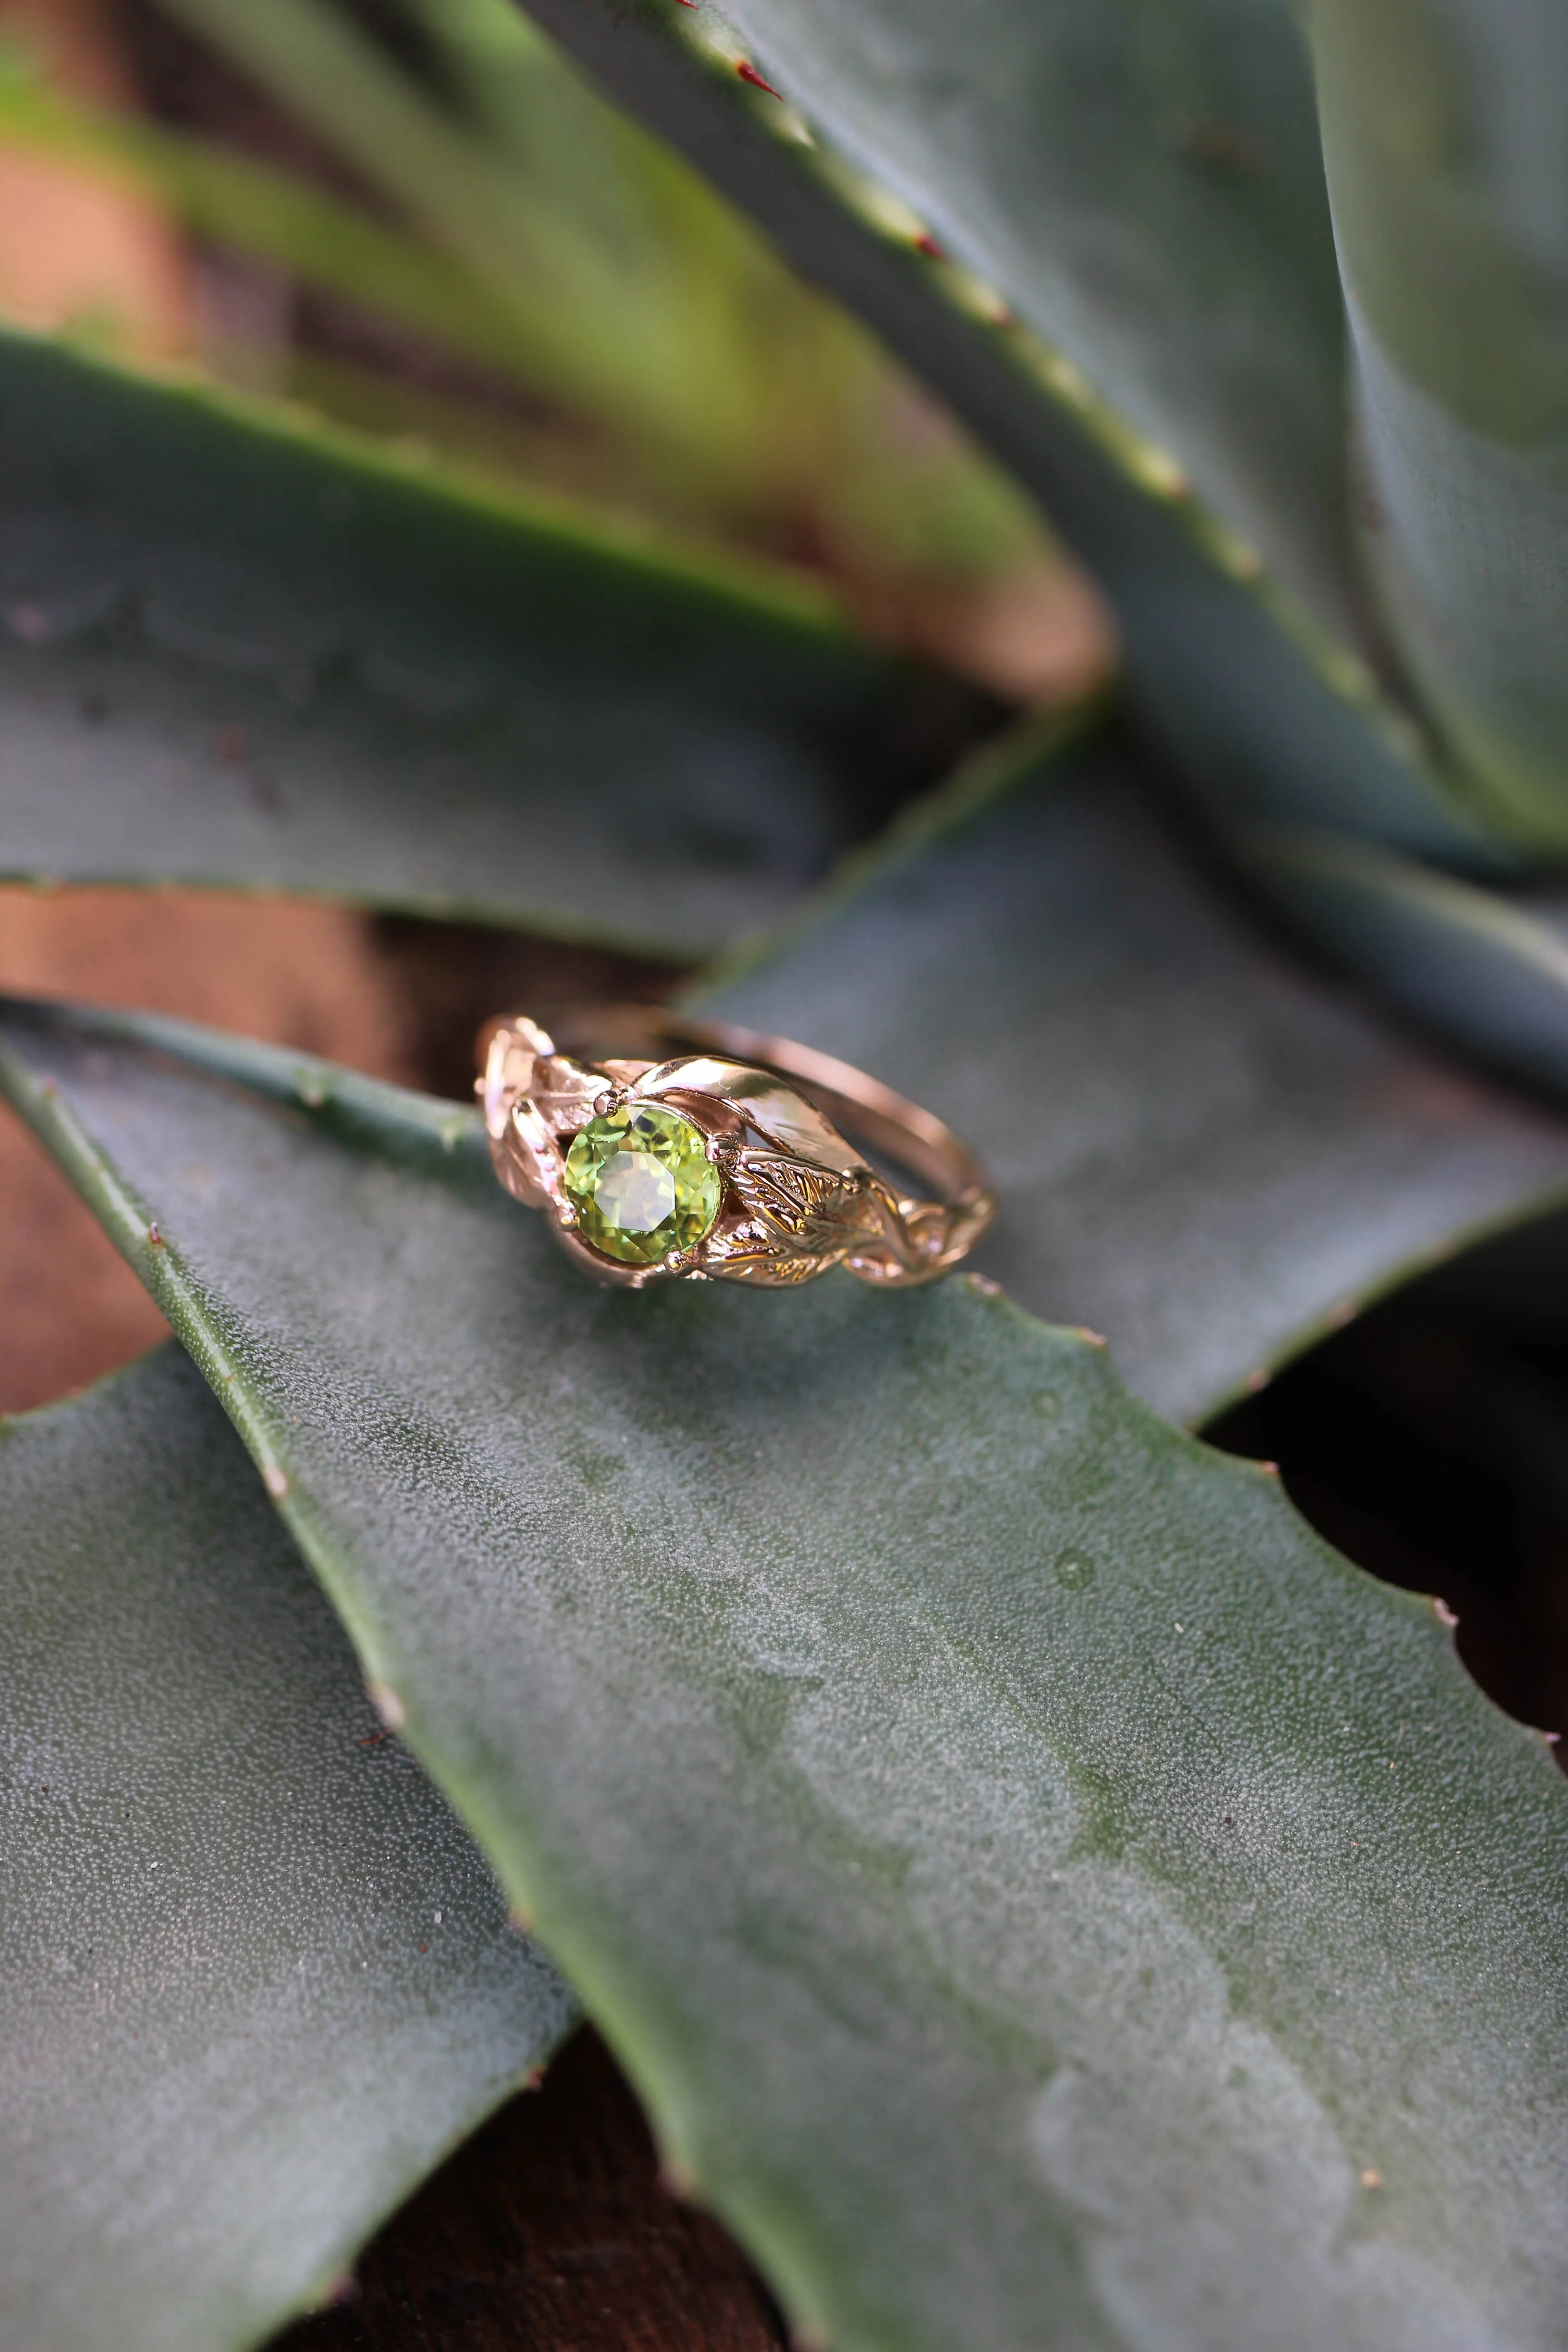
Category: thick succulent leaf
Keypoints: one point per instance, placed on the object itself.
(1489, 972)
(1047, 1897)
(242, 650)
(1140, 315)
(257, 1977)
(272, 216)
(1446, 146)
(1200, 1150)
(606, 326)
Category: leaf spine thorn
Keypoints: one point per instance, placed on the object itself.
(1444, 1615)
(387, 1705)
(1159, 472)
(748, 72)
(927, 244)
(275, 1479)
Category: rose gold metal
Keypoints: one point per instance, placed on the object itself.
(796, 1197)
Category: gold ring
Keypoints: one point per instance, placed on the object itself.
(662, 1146)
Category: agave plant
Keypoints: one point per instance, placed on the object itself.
(1044, 1896)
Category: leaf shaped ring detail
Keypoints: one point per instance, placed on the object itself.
(663, 1146)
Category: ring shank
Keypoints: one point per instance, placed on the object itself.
(914, 1137)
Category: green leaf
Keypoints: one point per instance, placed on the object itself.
(275, 217)
(1488, 971)
(672, 367)
(257, 1978)
(1046, 1896)
(1140, 315)
(248, 651)
(1444, 136)
(609, 323)
(1200, 1150)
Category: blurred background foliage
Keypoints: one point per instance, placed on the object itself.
(411, 215)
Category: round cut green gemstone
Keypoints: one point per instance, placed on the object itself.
(642, 1184)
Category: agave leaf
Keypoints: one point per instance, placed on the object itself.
(1100, 232)
(1493, 970)
(1046, 1896)
(277, 217)
(1201, 1151)
(1444, 139)
(639, 302)
(244, 650)
(257, 1978)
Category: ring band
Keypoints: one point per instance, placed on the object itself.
(665, 1147)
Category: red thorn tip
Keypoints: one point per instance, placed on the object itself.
(925, 242)
(748, 72)
(155, 1237)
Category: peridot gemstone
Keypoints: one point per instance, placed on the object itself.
(642, 1184)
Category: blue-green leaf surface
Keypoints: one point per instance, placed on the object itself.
(1203, 1152)
(1490, 970)
(1445, 139)
(1132, 298)
(1047, 1898)
(238, 649)
(256, 1979)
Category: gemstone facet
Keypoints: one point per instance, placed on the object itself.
(642, 1184)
